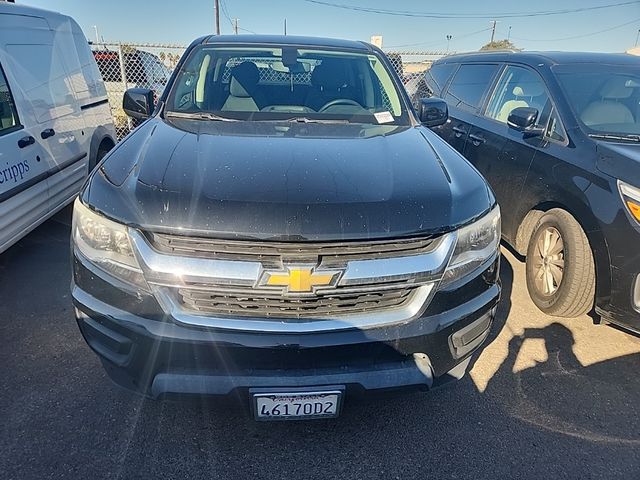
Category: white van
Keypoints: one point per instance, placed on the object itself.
(55, 122)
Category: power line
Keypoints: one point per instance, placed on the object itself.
(233, 22)
(225, 12)
(573, 37)
(429, 44)
(400, 13)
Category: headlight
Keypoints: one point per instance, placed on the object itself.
(105, 244)
(476, 244)
(631, 198)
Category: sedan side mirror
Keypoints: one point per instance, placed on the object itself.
(433, 111)
(523, 119)
(138, 103)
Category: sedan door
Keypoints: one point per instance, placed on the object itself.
(464, 96)
(503, 154)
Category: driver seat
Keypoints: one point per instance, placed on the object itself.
(242, 88)
(524, 95)
(329, 82)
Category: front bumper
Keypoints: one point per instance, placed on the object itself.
(622, 304)
(143, 349)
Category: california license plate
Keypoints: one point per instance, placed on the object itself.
(297, 405)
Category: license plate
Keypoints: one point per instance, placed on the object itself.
(297, 405)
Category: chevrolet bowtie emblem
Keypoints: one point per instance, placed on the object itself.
(299, 279)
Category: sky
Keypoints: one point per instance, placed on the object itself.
(612, 29)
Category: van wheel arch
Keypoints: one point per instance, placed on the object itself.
(525, 230)
(100, 146)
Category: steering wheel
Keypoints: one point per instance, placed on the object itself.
(339, 101)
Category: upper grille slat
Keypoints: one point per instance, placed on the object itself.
(260, 251)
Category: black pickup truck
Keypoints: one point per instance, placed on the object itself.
(283, 226)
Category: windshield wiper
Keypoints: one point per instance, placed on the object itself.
(625, 137)
(314, 120)
(200, 116)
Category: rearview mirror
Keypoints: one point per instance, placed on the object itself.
(138, 103)
(433, 111)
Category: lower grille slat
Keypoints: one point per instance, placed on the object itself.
(217, 303)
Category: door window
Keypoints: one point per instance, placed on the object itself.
(469, 85)
(436, 77)
(8, 113)
(518, 87)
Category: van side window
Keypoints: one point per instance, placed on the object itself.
(436, 77)
(518, 87)
(8, 113)
(469, 85)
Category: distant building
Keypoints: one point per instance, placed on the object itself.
(376, 40)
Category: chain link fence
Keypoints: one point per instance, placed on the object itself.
(127, 65)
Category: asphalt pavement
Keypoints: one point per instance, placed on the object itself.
(547, 398)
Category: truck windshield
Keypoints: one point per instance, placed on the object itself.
(286, 83)
(605, 98)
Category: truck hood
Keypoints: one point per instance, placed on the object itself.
(619, 160)
(287, 181)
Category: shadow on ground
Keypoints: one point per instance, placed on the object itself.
(62, 418)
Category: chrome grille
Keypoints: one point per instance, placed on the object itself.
(272, 305)
(221, 283)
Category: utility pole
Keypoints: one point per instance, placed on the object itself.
(449, 37)
(216, 6)
(509, 34)
(493, 30)
(285, 27)
(637, 37)
(235, 25)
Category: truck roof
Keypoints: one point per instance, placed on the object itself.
(288, 40)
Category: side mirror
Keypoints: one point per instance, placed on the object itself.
(138, 103)
(523, 119)
(433, 111)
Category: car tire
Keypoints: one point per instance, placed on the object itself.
(560, 270)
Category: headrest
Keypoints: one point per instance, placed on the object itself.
(528, 89)
(615, 88)
(329, 74)
(244, 78)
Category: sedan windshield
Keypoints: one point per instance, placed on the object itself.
(285, 83)
(605, 98)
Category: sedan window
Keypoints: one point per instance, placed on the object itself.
(469, 85)
(518, 87)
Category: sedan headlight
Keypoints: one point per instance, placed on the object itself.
(105, 244)
(631, 198)
(476, 244)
